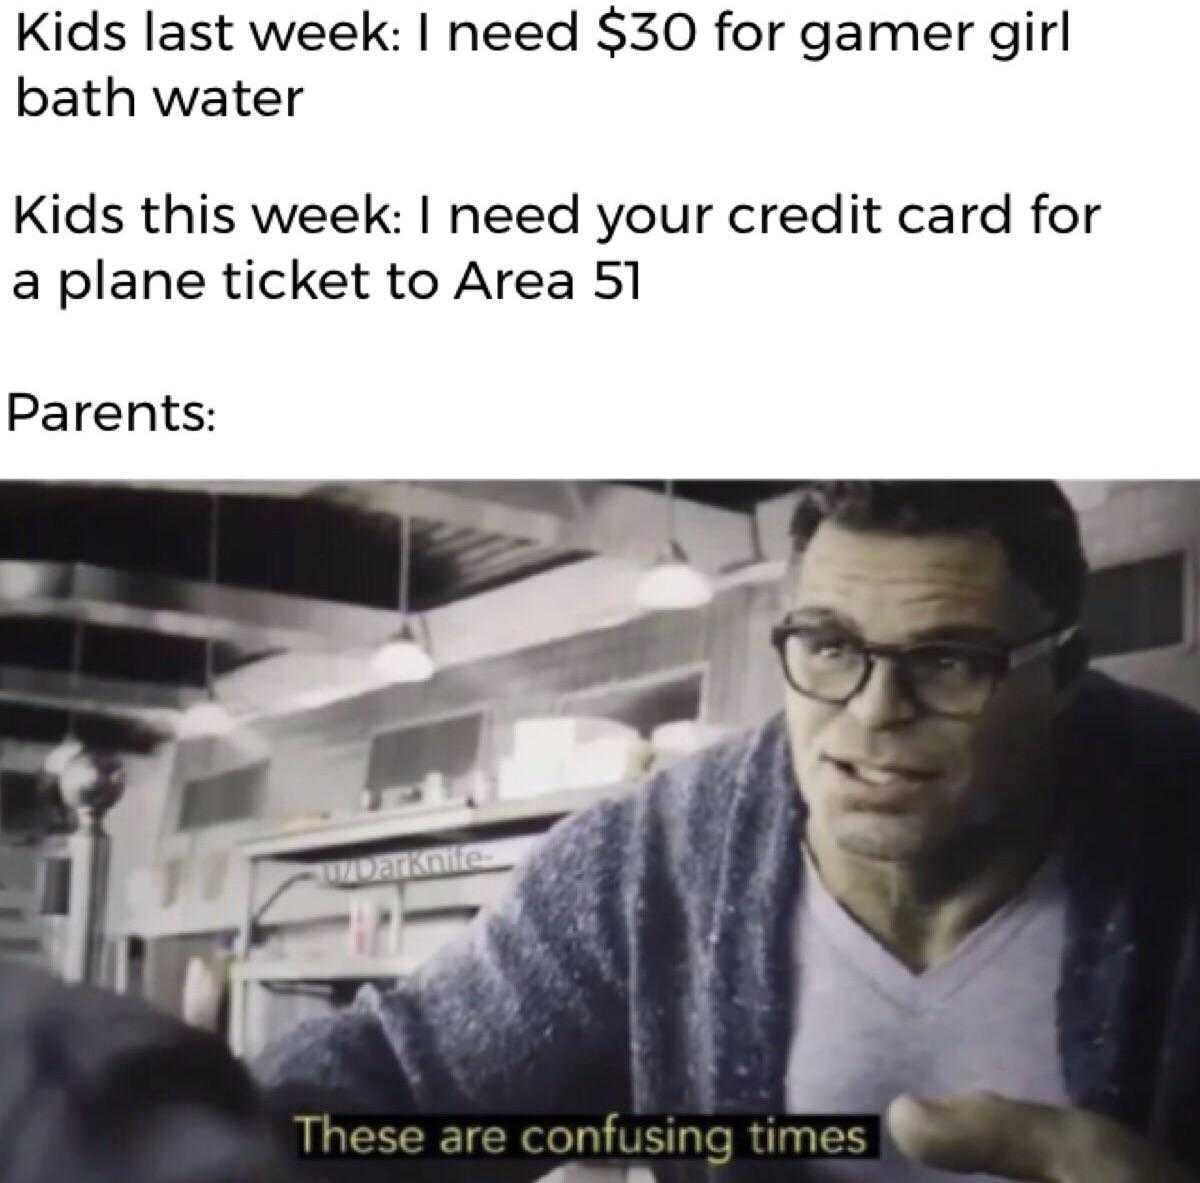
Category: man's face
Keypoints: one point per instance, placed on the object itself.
(883, 778)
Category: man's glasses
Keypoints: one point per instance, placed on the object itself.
(950, 678)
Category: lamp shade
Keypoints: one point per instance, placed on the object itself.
(673, 583)
(403, 659)
(205, 719)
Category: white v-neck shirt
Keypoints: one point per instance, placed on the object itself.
(865, 1028)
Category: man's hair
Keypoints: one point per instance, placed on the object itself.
(1031, 520)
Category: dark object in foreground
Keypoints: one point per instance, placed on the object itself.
(95, 1088)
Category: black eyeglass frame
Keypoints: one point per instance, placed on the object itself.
(1006, 658)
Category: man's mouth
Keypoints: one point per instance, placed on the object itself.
(884, 782)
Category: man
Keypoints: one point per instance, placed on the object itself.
(957, 868)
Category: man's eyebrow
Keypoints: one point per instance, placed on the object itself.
(977, 633)
(818, 615)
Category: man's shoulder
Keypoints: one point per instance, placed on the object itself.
(1130, 776)
(1129, 730)
(679, 816)
(706, 781)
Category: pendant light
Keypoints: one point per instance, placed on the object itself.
(69, 746)
(402, 658)
(208, 718)
(672, 583)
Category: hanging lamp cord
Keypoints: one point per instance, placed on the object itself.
(405, 555)
(73, 682)
(214, 538)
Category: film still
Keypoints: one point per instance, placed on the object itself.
(609, 830)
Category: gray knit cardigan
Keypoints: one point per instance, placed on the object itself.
(642, 960)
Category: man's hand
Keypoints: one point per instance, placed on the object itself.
(986, 1134)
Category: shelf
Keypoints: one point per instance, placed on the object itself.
(417, 821)
(493, 824)
(312, 969)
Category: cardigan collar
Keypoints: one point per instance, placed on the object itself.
(757, 889)
(1107, 1051)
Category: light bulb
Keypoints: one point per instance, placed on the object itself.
(673, 583)
(403, 659)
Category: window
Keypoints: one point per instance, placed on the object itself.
(643, 704)
(450, 746)
(1136, 606)
(21, 808)
(231, 796)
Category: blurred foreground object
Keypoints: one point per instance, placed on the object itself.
(97, 1088)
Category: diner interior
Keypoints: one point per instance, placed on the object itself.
(267, 745)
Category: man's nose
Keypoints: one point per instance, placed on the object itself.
(882, 702)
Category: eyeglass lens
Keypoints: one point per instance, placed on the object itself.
(945, 678)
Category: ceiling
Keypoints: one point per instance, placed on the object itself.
(298, 565)
(741, 496)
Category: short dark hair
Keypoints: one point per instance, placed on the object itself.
(1032, 520)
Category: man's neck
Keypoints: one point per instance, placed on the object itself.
(921, 910)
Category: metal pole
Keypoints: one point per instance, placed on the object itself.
(91, 789)
(89, 850)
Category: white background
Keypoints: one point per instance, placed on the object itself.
(775, 357)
